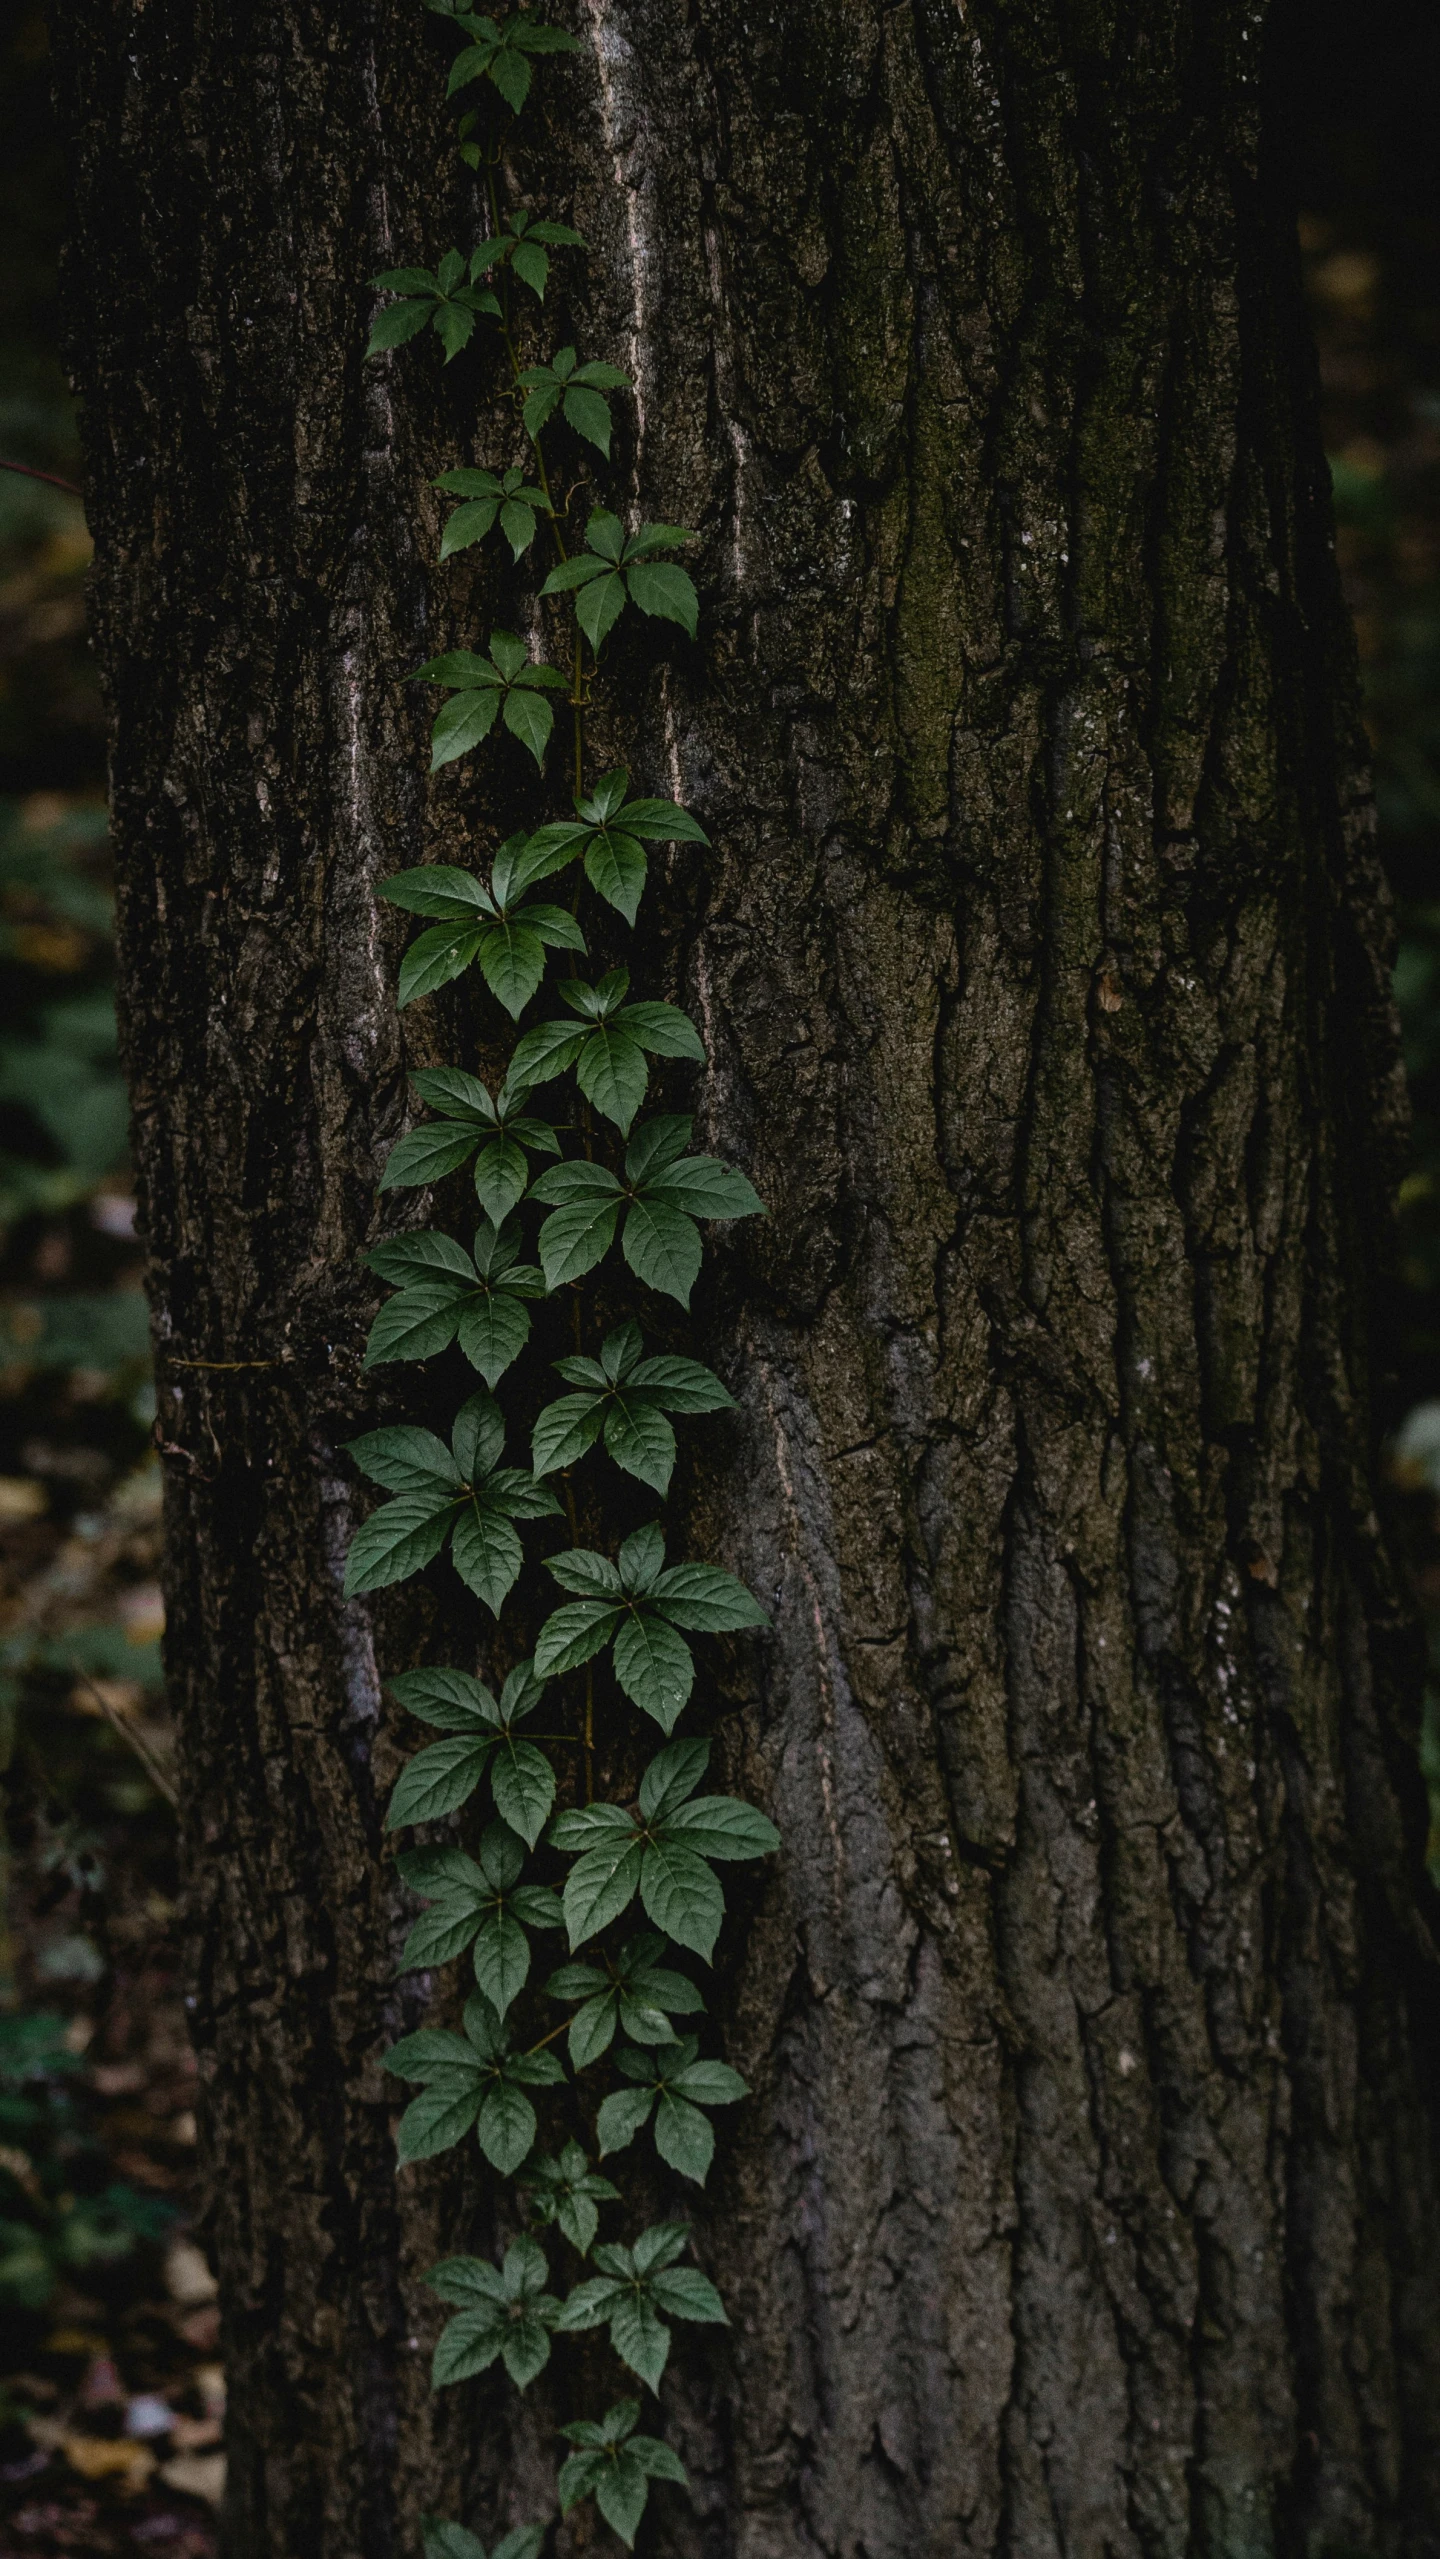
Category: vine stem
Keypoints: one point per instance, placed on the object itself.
(577, 690)
(52, 479)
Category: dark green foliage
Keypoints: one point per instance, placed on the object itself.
(529, 1870)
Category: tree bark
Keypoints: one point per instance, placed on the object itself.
(1086, 2204)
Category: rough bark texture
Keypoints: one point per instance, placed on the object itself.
(1086, 2205)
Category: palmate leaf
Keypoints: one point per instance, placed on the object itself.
(626, 1397)
(506, 501)
(609, 1048)
(501, 54)
(662, 1193)
(613, 570)
(452, 2541)
(663, 1852)
(642, 1615)
(506, 684)
(609, 834)
(615, 2465)
(504, 2313)
(632, 2288)
(568, 2192)
(475, 2079)
(632, 1989)
(479, 1302)
(577, 390)
(675, 2086)
(438, 1780)
(440, 298)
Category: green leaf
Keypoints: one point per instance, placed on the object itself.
(661, 588)
(574, 1238)
(501, 1173)
(438, 1781)
(531, 266)
(655, 1144)
(502, 1960)
(434, 959)
(399, 1539)
(615, 867)
(611, 1072)
(440, 1934)
(706, 1600)
(662, 1248)
(565, 1430)
(406, 1459)
(683, 2292)
(467, 2345)
(589, 414)
(478, 1436)
(599, 605)
(684, 2137)
(506, 2128)
(512, 958)
(601, 1884)
(654, 1666)
(408, 1258)
(433, 2053)
(415, 1324)
(452, 1700)
(722, 1826)
(434, 2121)
(704, 1187)
(464, 721)
(486, 1554)
(584, 1572)
(391, 327)
(664, 1030)
(641, 1440)
(528, 715)
(470, 524)
(641, 1558)
(592, 2030)
(493, 1331)
(523, 1784)
(682, 1896)
(575, 1635)
(681, 1386)
(672, 1776)
(621, 2117)
(439, 889)
(449, 2540)
(427, 1155)
(640, 2338)
(546, 1052)
(661, 822)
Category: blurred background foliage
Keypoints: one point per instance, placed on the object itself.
(110, 2396)
(110, 2392)
(1365, 137)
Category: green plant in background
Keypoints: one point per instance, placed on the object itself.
(618, 1185)
(1401, 668)
(63, 1106)
(47, 2230)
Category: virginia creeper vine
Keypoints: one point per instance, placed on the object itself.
(614, 1178)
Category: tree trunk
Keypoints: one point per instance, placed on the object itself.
(1086, 2202)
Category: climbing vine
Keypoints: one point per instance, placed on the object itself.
(599, 1177)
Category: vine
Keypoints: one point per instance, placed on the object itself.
(617, 1184)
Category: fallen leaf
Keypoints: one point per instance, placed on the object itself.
(188, 2279)
(197, 2474)
(109, 2457)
